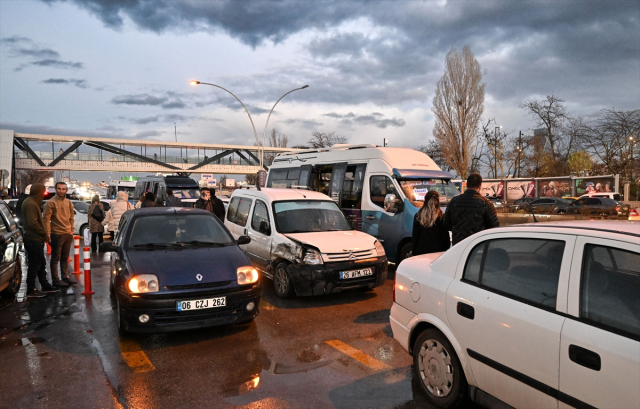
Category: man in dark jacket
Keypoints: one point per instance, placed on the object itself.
(210, 203)
(469, 212)
(35, 236)
(171, 200)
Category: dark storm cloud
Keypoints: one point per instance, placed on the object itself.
(375, 118)
(165, 102)
(590, 50)
(25, 49)
(159, 118)
(71, 81)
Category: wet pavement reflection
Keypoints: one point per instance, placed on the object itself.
(322, 352)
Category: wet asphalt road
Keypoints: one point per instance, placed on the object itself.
(333, 351)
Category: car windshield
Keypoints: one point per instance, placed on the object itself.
(177, 228)
(416, 189)
(303, 216)
(185, 192)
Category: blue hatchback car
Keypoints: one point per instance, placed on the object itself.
(179, 268)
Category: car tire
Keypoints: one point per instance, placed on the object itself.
(14, 282)
(440, 378)
(562, 212)
(121, 326)
(112, 290)
(405, 252)
(282, 282)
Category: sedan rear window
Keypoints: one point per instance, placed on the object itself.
(527, 269)
(177, 228)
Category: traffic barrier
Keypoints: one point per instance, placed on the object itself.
(76, 255)
(48, 248)
(87, 272)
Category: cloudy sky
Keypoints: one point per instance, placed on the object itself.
(122, 68)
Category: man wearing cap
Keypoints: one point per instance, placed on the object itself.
(58, 222)
(35, 236)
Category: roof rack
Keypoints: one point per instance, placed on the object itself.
(257, 187)
(300, 187)
(337, 147)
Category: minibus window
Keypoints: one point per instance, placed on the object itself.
(379, 188)
(416, 189)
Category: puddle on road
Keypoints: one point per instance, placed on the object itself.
(30, 341)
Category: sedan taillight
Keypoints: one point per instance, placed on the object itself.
(634, 212)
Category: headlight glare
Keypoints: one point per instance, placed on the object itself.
(247, 275)
(379, 249)
(143, 283)
(311, 256)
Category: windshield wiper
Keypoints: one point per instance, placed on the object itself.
(204, 243)
(151, 246)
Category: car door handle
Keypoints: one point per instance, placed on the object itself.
(584, 357)
(371, 217)
(466, 310)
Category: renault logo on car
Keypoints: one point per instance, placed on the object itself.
(199, 277)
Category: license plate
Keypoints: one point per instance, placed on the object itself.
(201, 304)
(356, 273)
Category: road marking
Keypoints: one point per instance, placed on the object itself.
(357, 355)
(135, 357)
(266, 306)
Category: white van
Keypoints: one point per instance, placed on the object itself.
(379, 189)
(303, 242)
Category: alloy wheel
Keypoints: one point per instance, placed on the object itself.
(435, 368)
(282, 281)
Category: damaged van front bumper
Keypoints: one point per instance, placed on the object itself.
(325, 278)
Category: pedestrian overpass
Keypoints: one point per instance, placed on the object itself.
(81, 153)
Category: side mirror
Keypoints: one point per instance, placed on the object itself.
(108, 246)
(243, 240)
(389, 203)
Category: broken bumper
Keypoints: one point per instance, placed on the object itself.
(325, 278)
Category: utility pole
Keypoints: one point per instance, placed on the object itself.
(384, 142)
(519, 151)
(175, 131)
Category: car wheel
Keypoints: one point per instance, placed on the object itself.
(562, 212)
(438, 370)
(405, 252)
(121, 327)
(282, 281)
(112, 290)
(15, 280)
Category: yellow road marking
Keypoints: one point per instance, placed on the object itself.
(135, 357)
(266, 306)
(357, 355)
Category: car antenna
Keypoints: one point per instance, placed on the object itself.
(534, 216)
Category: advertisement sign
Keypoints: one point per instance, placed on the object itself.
(519, 189)
(211, 183)
(595, 185)
(554, 187)
(230, 183)
(262, 178)
(207, 177)
(492, 189)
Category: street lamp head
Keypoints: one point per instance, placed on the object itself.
(306, 86)
(194, 82)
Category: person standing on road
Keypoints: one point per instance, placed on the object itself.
(429, 233)
(171, 200)
(210, 204)
(149, 200)
(19, 203)
(58, 222)
(115, 212)
(96, 216)
(469, 212)
(35, 236)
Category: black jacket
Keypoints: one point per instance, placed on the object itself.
(429, 239)
(214, 205)
(468, 214)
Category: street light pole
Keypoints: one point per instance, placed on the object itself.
(194, 82)
(495, 152)
(264, 135)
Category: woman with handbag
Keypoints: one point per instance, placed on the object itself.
(96, 216)
(429, 233)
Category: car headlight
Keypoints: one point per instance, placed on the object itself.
(379, 248)
(247, 275)
(311, 256)
(143, 283)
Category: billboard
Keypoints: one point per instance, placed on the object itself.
(518, 189)
(554, 187)
(492, 188)
(595, 185)
(230, 183)
(205, 176)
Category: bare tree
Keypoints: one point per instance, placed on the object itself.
(325, 140)
(613, 140)
(27, 177)
(458, 105)
(251, 178)
(278, 141)
(434, 150)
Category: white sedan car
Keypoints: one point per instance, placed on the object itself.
(542, 315)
